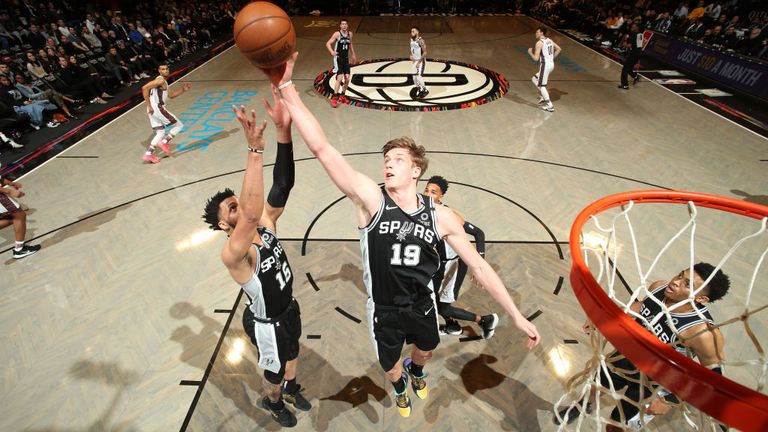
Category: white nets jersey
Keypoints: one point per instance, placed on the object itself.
(416, 48)
(547, 51)
(158, 96)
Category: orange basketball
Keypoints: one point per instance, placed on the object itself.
(264, 34)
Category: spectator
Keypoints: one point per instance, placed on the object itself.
(681, 11)
(89, 23)
(697, 12)
(134, 35)
(713, 10)
(35, 67)
(80, 82)
(130, 53)
(71, 47)
(10, 96)
(5, 71)
(123, 72)
(35, 37)
(664, 22)
(34, 93)
(752, 45)
(90, 38)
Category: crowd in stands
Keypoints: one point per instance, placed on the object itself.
(58, 56)
(739, 26)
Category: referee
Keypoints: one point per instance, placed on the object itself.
(635, 38)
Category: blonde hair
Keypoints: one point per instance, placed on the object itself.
(418, 152)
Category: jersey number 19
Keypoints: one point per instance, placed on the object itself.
(408, 256)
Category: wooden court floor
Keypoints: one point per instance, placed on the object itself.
(127, 321)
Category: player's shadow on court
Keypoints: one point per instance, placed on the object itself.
(190, 146)
(347, 273)
(87, 223)
(109, 374)
(486, 378)
(236, 382)
(355, 395)
(757, 199)
(554, 96)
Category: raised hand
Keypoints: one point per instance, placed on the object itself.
(254, 133)
(277, 111)
(283, 73)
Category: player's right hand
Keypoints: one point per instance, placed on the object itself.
(529, 329)
(150, 110)
(587, 328)
(16, 193)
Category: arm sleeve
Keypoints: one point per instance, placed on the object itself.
(479, 236)
(283, 176)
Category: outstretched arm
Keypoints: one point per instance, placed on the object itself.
(363, 191)
(283, 173)
(174, 94)
(251, 201)
(450, 226)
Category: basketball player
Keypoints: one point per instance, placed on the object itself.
(399, 232)
(419, 59)
(11, 213)
(156, 94)
(340, 47)
(449, 277)
(545, 52)
(257, 262)
(690, 332)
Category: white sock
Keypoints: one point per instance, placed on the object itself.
(545, 95)
(18, 245)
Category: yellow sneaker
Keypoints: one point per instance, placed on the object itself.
(403, 403)
(419, 384)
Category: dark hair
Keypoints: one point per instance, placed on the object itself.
(343, 20)
(211, 212)
(717, 288)
(543, 30)
(417, 29)
(441, 182)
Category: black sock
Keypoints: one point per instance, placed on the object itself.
(290, 386)
(399, 385)
(276, 406)
(417, 370)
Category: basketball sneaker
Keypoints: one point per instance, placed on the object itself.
(164, 147)
(423, 93)
(489, 323)
(284, 417)
(296, 399)
(402, 400)
(334, 102)
(548, 108)
(570, 414)
(150, 158)
(635, 78)
(624, 87)
(452, 327)
(417, 382)
(25, 251)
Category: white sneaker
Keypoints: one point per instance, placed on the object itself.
(52, 124)
(14, 144)
(548, 108)
(35, 127)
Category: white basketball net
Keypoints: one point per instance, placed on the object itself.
(612, 248)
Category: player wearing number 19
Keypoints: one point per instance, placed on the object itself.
(399, 231)
(256, 260)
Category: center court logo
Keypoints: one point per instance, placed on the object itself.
(388, 84)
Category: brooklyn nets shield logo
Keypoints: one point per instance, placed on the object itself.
(388, 84)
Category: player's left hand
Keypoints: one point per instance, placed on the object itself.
(186, 87)
(530, 51)
(15, 185)
(658, 406)
(529, 329)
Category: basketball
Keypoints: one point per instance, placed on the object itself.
(264, 34)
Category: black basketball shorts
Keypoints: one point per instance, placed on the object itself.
(391, 327)
(341, 66)
(285, 337)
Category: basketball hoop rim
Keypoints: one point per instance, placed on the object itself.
(730, 402)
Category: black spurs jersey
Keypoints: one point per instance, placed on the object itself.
(399, 253)
(663, 330)
(270, 289)
(342, 45)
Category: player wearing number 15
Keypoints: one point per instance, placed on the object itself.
(256, 260)
(399, 231)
